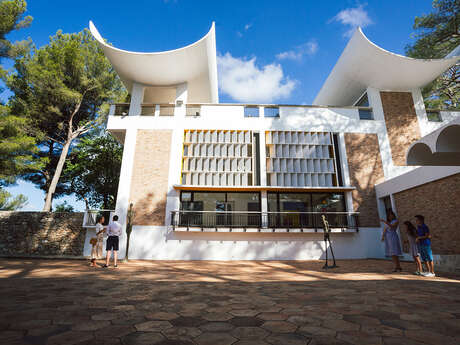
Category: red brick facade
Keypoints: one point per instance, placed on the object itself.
(149, 185)
(439, 202)
(365, 167)
(401, 121)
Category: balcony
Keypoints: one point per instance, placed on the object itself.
(295, 222)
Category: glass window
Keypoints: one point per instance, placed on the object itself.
(244, 202)
(363, 101)
(434, 116)
(328, 202)
(365, 114)
(272, 112)
(251, 111)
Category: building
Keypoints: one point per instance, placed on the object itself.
(250, 181)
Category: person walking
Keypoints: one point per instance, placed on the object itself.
(113, 233)
(391, 239)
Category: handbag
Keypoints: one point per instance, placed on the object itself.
(93, 241)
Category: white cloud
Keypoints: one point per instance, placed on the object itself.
(309, 48)
(247, 26)
(244, 81)
(353, 17)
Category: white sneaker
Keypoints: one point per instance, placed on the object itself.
(417, 273)
(424, 274)
(431, 274)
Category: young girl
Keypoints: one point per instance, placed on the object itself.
(413, 247)
(391, 238)
(96, 250)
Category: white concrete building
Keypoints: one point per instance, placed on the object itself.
(250, 181)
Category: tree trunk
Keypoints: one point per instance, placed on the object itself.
(56, 176)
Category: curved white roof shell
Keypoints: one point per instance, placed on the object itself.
(363, 64)
(195, 64)
(441, 147)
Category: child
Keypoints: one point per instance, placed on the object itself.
(100, 236)
(411, 232)
(424, 242)
(96, 242)
(93, 242)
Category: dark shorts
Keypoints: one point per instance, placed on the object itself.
(425, 253)
(112, 243)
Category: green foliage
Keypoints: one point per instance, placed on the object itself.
(437, 34)
(16, 148)
(61, 90)
(94, 169)
(12, 18)
(7, 203)
(63, 207)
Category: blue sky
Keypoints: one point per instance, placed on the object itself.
(268, 51)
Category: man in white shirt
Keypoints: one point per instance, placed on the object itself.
(113, 233)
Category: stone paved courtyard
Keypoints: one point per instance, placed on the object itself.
(217, 303)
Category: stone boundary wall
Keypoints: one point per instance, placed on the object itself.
(41, 234)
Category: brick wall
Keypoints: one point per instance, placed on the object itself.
(438, 201)
(401, 121)
(149, 184)
(365, 167)
(41, 234)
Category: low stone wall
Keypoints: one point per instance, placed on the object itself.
(41, 234)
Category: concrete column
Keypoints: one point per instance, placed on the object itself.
(124, 184)
(137, 97)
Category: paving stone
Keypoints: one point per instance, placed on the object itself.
(327, 341)
(242, 321)
(303, 320)
(340, 325)
(279, 326)
(105, 316)
(217, 327)
(139, 338)
(251, 342)
(217, 316)
(399, 341)
(357, 337)
(287, 339)
(175, 342)
(152, 326)
(161, 315)
(31, 324)
(316, 331)
(182, 333)
(361, 320)
(249, 333)
(185, 321)
(90, 325)
(430, 337)
(244, 312)
(10, 336)
(69, 338)
(382, 330)
(272, 316)
(114, 331)
(214, 339)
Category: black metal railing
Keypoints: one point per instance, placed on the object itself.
(264, 220)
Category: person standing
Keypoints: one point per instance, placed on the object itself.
(100, 236)
(391, 239)
(113, 233)
(411, 232)
(424, 242)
